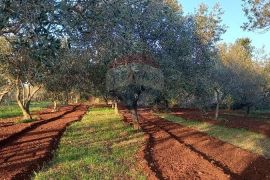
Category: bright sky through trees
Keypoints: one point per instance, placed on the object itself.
(234, 18)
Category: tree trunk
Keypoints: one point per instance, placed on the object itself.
(167, 106)
(106, 100)
(54, 106)
(248, 110)
(217, 106)
(26, 113)
(116, 111)
(134, 115)
(217, 111)
(2, 95)
(66, 98)
(4, 92)
(25, 107)
(135, 119)
(77, 98)
(23, 95)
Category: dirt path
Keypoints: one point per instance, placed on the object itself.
(249, 123)
(9, 128)
(27, 152)
(177, 152)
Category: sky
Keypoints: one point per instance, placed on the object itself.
(234, 18)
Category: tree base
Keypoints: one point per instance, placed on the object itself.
(136, 125)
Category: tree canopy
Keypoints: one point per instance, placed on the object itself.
(258, 14)
(73, 47)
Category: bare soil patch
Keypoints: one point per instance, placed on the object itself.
(9, 128)
(173, 151)
(28, 149)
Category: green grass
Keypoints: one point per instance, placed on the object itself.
(13, 110)
(25, 120)
(251, 141)
(260, 115)
(100, 146)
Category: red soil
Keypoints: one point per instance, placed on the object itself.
(9, 127)
(27, 147)
(249, 123)
(176, 152)
(172, 151)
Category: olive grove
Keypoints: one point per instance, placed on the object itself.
(132, 52)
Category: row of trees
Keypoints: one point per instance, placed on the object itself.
(145, 52)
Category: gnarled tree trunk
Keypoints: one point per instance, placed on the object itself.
(25, 105)
(2, 94)
(25, 111)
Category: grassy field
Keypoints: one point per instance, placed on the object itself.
(100, 146)
(260, 115)
(251, 141)
(13, 110)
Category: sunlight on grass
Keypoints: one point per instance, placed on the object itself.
(13, 110)
(251, 141)
(100, 146)
(25, 120)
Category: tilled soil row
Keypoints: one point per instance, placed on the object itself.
(12, 131)
(172, 159)
(177, 152)
(29, 151)
(248, 123)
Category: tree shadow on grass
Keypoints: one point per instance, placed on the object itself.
(258, 168)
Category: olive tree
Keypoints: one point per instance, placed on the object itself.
(5, 82)
(195, 58)
(33, 37)
(132, 75)
(243, 79)
(258, 14)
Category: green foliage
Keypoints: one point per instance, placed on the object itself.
(32, 29)
(258, 14)
(238, 76)
(174, 4)
(209, 25)
(101, 146)
(144, 75)
(128, 82)
(67, 47)
(188, 67)
(5, 50)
